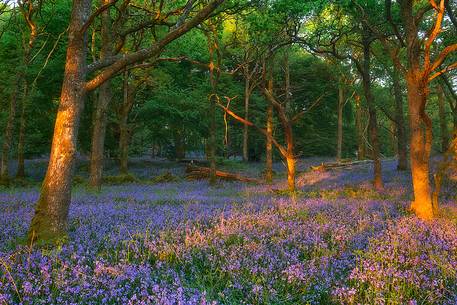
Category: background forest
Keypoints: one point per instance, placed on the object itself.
(168, 116)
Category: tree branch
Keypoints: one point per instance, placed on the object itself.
(115, 64)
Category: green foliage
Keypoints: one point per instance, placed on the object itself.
(170, 115)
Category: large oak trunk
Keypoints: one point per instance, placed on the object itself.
(50, 219)
(421, 141)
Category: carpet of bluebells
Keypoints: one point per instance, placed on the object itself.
(184, 242)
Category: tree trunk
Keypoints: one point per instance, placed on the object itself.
(123, 126)
(247, 96)
(180, 146)
(269, 145)
(372, 123)
(212, 142)
(21, 141)
(339, 145)
(443, 122)
(27, 92)
(291, 172)
(360, 129)
(123, 145)
(98, 136)
(100, 117)
(50, 219)
(421, 137)
(8, 135)
(400, 122)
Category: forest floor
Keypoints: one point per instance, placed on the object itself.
(143, 241)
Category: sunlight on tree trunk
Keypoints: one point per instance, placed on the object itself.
(291, 172)
(420, 148)
(50, 220)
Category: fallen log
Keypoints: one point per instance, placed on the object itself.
(339, 165)
(198, 172)
(194, 162)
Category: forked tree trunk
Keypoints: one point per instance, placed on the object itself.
(8, 135)
(339, 145)
(50, 220)
(269, 145)
(444, 132)
(247, 96)
(421, 141)
(400, 124)
(100, 117)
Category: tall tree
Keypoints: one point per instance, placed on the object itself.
(424, 63)
(50, 219)
(101, 104)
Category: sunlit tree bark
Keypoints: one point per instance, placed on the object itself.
(418, 75)
(419, 71)
(50, 220)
